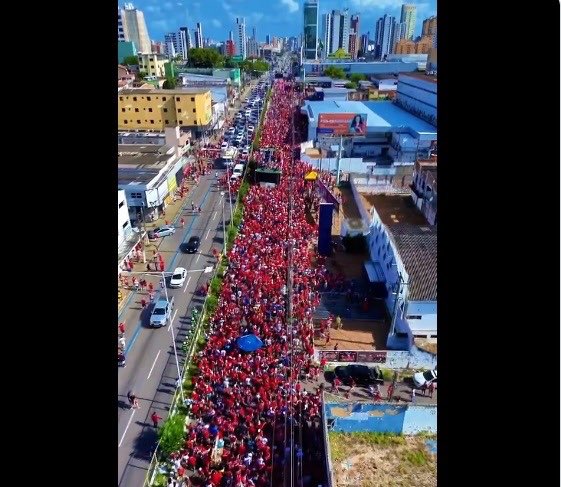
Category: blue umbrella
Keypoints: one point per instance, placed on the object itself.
(249, 343)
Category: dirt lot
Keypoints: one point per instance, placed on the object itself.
(370, 459)
(357, 335)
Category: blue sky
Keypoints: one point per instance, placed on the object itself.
(274, 17)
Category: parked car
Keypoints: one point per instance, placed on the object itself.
(161, 313)
(162, 231)
(421, 379)
(178, 277)
(360, 373)
(192, 246)
(224, 145)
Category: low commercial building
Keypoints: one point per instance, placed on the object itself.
(152, 64)
(149, 176)
(125, 77)
(403, 262)
(172, 136)
(155, 109)
(127, 236)
(417, 93)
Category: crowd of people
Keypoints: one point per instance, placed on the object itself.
(244, 404)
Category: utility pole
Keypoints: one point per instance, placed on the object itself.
(339, 159)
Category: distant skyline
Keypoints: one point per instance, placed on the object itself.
(278, 18)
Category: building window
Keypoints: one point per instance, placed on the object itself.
(195, 122)
(376, 239)
(194, 110)
(164, 98)
(120, 98)
(134, 98)
(167, 122)
(138, 121)
(181, 122)
(148, 98)
(177, 98)
(149, 109)
(179, 110)
(414, 317)
(121, 204)
(152, 122)
(126, 224)
(165, 110)
(126, 121)
(136, 110)
(122, 109)
(192, 98)
(136, 195)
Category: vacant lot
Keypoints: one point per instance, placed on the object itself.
(381, 460)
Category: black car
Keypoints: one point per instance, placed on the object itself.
(192, 245)
(360, 373)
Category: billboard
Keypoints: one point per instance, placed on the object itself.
(342, 124)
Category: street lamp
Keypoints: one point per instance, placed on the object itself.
(224, 222)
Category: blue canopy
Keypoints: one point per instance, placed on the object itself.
(249, 343)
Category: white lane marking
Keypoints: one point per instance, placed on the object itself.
(128, 424)
(198, 257)
(207, 233)
(172, 318)
(152, 368)
(188, 281)
(214, 216)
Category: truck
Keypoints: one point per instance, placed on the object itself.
(161, 314)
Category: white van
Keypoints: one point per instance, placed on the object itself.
(238, 169)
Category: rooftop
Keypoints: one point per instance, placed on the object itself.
(415, 241)
(156, 91)
(140, 164)
(381, 115)
(422, 76)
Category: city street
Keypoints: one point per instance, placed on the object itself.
(151, 370)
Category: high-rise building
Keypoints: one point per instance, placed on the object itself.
(120, 28)
(134, 28)
(335, 31)
(182, 41)
(384, 36)
(325, 42)
(353, 36)
(429, 29)
(364, 43)
(311, 20)
(231, 36)
(241, 45)
(409, 15)
(172, 44)
(254, 34)
(267, 39)
(157, 47)
(230, 49)
(199, 36)
(398, 34)
(252, 48)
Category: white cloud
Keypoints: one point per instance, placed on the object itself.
(179, 4)
(226, 6)
(291, 4)
(168, 5)
(161, 25)
(152, 8)
(216, 23)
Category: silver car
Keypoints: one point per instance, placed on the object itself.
(161, 312)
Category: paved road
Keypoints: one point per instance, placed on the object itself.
(151, 369)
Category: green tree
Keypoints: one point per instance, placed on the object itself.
(131, 60)
(169, 84)
(142, 74)
(351, 85)
(205, 58)
(230, 63)
(334, 72)
(172, 434)
(356, 77)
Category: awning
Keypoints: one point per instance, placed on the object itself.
(311, 176)
(249, 343)
(374, 271)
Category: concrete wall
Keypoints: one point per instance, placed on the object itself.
(380, 418)
(428, 312)
(124, 224)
